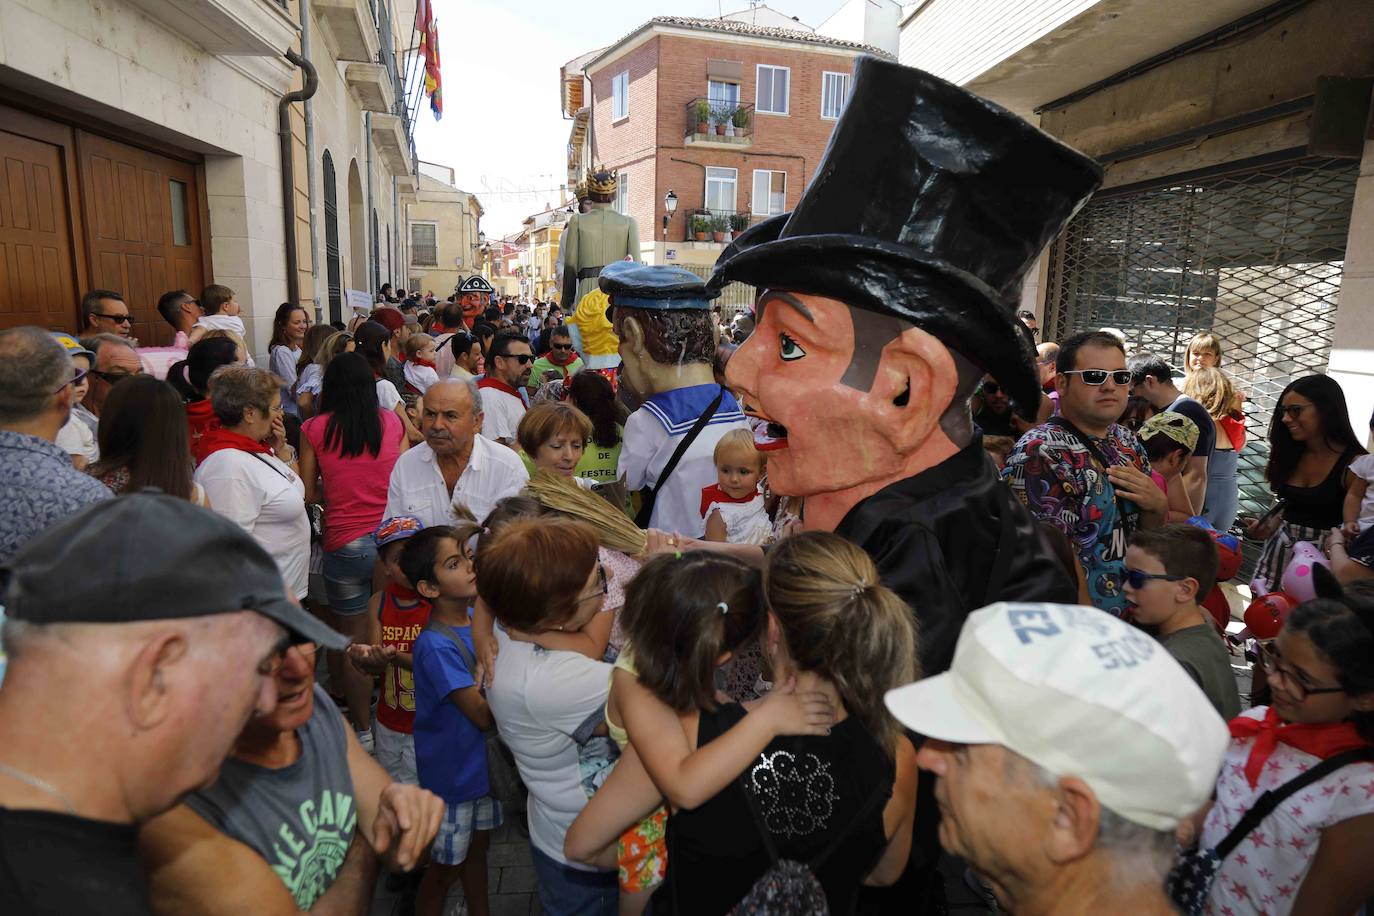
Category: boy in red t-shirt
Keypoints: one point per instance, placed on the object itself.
(396, 615)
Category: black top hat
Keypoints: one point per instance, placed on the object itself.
(929, 205)
(476, 284)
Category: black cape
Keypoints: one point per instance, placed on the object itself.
(953, 539)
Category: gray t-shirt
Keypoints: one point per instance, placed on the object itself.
(1200, 651)
(299, 818)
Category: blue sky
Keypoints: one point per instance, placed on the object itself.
(502, 131)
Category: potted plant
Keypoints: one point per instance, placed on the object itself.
(738, 222)
(701, 225)
(702, 109)
(722, 115)
(719, 226)
(740, 120)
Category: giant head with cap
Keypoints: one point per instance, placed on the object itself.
(1068, 747)
(662, 317)
(474, 294)
(890, 289)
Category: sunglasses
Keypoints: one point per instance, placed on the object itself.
(76, 380)
(1098, 376)
(114, 377)
(119, 319)
(991, 388)
(562, 346)
(523, 358)
(1135, 578)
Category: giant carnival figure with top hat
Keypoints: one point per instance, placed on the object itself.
(884, 297)
(591, 240)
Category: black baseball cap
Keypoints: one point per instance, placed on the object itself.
(150, 556)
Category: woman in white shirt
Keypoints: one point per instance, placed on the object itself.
(374, 343)
(288, 336)
(249, 472)
(540, 576)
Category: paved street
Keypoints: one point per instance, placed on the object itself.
(512, 881)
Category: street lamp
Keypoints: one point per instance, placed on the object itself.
(670, 207)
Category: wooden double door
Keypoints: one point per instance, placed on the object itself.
(81, 211)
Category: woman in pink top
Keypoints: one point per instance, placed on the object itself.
(351, 445)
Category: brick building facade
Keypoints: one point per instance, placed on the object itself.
(770, 100)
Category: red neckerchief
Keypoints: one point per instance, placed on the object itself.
(200, 417)
(489, 382)
(1322, 741)
(401, 593)
(553, 360)
(219, 439)
(714, 494)
(424, 362)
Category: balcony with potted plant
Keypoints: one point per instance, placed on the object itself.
(719, 124)
(714, 229)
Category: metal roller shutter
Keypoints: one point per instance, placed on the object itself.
(1252, 252)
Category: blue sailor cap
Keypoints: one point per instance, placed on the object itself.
(658, 287)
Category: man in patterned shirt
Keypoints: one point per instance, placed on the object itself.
(40, 485)
(1085, 474)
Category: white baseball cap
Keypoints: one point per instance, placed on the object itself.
(1080, 693)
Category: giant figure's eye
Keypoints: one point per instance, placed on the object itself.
(789, 349)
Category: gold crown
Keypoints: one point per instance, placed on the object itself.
(600, 181)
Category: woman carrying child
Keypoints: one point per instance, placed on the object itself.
(840, 800)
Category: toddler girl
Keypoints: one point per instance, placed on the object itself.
(733, 506)
(419, 368)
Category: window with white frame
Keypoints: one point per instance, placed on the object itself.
(770, 193)
(772, 89)
(424, 245)
(834, 93)
(721, 91)
(622, 194)
(620, 96)
(720, 188)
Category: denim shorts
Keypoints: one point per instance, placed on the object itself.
(348, 576)
(568, 891)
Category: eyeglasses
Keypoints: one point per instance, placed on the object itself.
(1292, 410)
(991, 388)
(115, 377)
(119, 319)
(562, 346)
(77, 376)
(602, 586)
(1269, 660)
(523, 358)
(1136, 578)
(1098, 376)
(270, 667)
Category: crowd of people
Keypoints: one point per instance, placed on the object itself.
(276, 633)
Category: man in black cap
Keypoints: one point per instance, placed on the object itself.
(142, 633)
(662, 317)
(886, 296)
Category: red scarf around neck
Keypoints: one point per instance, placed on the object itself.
(423, 362)
(489, 382)
(219, 439)
(401, 593)
(714, 494)
(1324, 740)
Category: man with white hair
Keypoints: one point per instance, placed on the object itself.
(142, 633)
(1067, 747)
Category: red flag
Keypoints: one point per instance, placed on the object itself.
(429, 50)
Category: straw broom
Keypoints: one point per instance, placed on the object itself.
(614, 529)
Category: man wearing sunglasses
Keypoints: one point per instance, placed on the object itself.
(1085, 474)
(561, 362)
(509, 365)
(115, 360)
(996, 417)
(104, 311)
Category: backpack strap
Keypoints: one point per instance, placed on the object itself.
(435, 626)
(1266, 803)
(646, 506)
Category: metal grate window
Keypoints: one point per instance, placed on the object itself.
(424, 248)
(1252, 253)
(333, 267)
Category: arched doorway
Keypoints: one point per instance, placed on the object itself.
(357, 232)
(333, 267)
(376, 256)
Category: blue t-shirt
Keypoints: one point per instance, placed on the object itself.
(450, 752)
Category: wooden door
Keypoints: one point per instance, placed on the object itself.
(143, 231)
(38, 283)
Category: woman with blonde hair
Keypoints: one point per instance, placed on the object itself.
(1211, 388)
(311, 380)
(844, 802)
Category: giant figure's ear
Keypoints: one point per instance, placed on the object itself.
(631, 338)
(913, 385)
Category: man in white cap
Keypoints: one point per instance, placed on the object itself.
(1067, 748)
